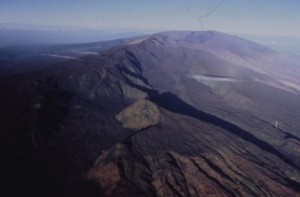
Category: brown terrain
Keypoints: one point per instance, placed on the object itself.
(171, 114)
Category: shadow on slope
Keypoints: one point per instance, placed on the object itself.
(174, 104)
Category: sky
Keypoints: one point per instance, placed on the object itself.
(259, 17)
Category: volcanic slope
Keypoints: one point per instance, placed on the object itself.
(172, 114)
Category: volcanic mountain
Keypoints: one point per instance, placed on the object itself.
(171, 114)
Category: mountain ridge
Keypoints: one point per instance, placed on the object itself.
(214, 137)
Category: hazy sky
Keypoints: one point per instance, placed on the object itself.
(268, 17)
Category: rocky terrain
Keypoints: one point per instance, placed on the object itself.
(171, 114)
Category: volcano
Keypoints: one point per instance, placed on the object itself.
(170, 114)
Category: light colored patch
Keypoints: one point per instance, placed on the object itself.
(138, 41)
(88, 53)
(290, 85)
(139, 115)
(61, 56)
(212, 78)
